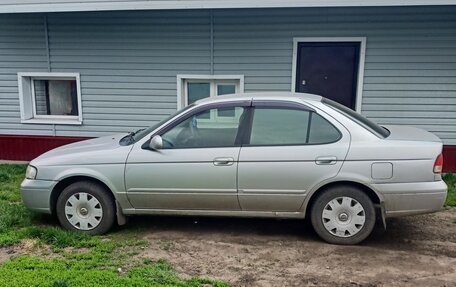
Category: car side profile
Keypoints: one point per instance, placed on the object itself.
(275, 154)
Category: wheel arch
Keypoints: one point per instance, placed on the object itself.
(373, 195)
(67, 181)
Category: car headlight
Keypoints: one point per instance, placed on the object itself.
(31, 172)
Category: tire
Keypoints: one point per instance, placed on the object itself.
(343, 215)
(86, 207)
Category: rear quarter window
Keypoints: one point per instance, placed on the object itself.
(321, 131)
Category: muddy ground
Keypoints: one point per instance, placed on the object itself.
(414, 251)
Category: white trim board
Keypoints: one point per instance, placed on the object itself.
(362, 58)
(118, 5)
(27, 98)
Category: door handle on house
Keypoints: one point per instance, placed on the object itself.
(223, 161)
(326, 160)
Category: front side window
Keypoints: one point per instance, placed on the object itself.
(206, 129)
(282, 126)
(52, 98)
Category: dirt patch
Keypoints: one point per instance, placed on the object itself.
(26, 247)
(414, 251)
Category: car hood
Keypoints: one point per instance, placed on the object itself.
(93, 151)
(407, 133)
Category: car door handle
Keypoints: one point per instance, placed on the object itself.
(326, 160)
(223, 161)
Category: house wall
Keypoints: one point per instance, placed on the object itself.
(128, 61)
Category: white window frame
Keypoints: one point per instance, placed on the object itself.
(28, 104)
(214, 80)
(361, 62)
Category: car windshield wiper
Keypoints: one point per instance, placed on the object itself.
(129, 139)
(135, 132)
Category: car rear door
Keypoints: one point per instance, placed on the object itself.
(291, 148)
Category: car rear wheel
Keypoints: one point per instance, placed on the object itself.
(86, 207)
(343, 215)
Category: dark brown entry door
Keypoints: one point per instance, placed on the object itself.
(328, 69)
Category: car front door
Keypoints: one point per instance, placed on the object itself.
(197, 167)
(290, 149)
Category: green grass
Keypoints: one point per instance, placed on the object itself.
(74, 259)
(450, 179)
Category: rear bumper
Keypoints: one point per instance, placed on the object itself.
(36, 194)
(412, 198)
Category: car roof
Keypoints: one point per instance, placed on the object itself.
(279, 96)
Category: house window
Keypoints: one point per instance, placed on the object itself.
(50, 98)
(191, 88)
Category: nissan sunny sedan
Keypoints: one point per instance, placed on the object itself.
(279, 155)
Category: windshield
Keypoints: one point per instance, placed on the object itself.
(359, 119)
(142, 133)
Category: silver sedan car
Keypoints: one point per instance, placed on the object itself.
(279, 155)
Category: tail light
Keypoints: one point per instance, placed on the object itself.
(438, 165)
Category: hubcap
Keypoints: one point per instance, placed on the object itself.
(343, 216)
(83, 211)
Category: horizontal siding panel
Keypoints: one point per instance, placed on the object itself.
(19, 130)
(137, 92)
(129, 105)
(409, 73)
(410, 114)
(410, 52)
(412, 59)
(131, 46)
(131, 98)
(109, 66)
(371, 101)
(132, 60)
(132, 117)
(414, 121)
(122, 110)
(415, 108)
(408, 94)
(158, 52)
(127, 79)
(249, 87)
(249, 66)
(409, 66)
(20, 66)
(130, 124)
(410, 87)
(410, 80)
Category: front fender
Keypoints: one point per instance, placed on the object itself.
(111, 175)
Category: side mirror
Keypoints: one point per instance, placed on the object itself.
(156, 143)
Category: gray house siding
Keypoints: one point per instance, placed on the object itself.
(128, 61)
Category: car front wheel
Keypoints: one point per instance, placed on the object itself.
(343, 215)
(86, 207)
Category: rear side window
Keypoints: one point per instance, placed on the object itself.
(279, 126)
(282, 126)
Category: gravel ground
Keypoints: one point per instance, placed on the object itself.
(414, 251)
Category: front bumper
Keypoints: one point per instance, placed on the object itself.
(36, 194)
(412, 198)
